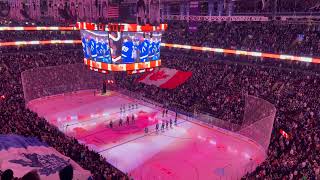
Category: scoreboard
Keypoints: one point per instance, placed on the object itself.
(121, 47)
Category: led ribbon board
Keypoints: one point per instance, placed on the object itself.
(117, 29)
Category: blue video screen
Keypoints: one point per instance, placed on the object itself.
(140, 47)
(96, 46)
(121, 47)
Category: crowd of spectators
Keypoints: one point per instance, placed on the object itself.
(44, 49)
(10, 36)
(298, 6)
(65, 173)
(54, 80)
(15, 118)
(293, 39)
(7, 21)
(280, 7)
(219, 88)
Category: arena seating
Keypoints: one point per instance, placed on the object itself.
(299, 6)
(293, 39)
(38, 35)
(16, 119)
(284, 7)
(217, 87)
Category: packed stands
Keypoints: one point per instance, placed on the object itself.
(38, 35)
(280, 7)
(283, 38)
(217, 87)
(16, 119)
(298, 6)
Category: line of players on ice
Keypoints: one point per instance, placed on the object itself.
(164, 124)
(137, 48)
(122, 112)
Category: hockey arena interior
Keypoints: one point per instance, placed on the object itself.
(159, 89)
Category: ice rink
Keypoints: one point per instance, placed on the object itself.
(186, 150)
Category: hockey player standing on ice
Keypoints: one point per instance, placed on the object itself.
(127, 50)
(132, 118)
(93, 48)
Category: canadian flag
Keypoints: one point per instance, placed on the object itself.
(166, 78)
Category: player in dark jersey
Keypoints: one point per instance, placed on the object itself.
(100, 51)
(146, 130)
(127, 51)
(144, 50)
(127, 120)
(111, 124)
(120, 122)
(157, 55)
(106, 57)
(152, 50)
(93, 48)
(85, 48)
(176, 121)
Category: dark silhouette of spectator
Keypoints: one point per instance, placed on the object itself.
(32, 175)
(66, 173)
(7, 175)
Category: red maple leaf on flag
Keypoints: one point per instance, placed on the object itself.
(158, 75)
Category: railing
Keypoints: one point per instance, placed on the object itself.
(52, 80)
(264, 14)
(256, 126)
(277, 14)
(204, 118)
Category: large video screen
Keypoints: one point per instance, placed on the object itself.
(121, 47)
(95, 46)
(135, 47)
